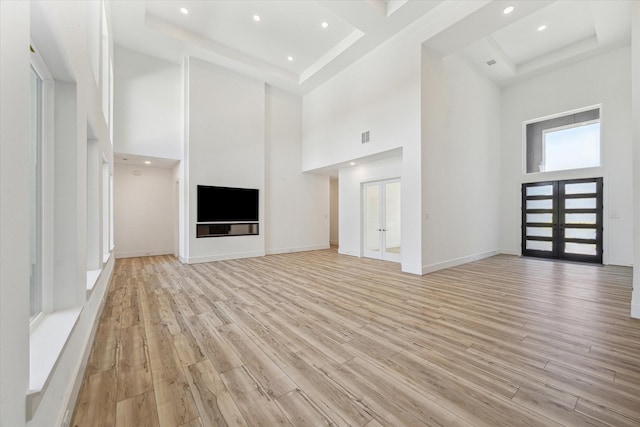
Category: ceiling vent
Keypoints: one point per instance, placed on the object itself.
(491, 62)
(365, 137)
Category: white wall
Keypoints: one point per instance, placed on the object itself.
(148, 105)
(635, 85)
(226, 147)
(601, 80)
(61, 31)
(297, 203)
(350, 197)
(334, 210)
(379, 93)
(14, 203)
(461, 161)
(144, 210)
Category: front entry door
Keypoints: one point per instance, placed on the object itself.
(563, 219)
(381, 208)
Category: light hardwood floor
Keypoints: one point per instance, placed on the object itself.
(316, 338)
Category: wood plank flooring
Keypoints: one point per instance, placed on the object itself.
(316, 338)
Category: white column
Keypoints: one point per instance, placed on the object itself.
(635, 95)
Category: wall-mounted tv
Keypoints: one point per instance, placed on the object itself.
(217, 204)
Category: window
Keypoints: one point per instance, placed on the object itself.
(35, 197)
(567, 142)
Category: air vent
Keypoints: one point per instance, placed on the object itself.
(365, 137)
(491, 62)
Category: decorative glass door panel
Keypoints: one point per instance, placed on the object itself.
(563, 219)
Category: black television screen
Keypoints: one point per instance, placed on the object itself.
(227, 204)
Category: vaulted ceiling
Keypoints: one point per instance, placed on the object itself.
(298, 45)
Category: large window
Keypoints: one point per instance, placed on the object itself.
(571, 141)
(35, 196)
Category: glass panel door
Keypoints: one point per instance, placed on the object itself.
(382, 220)
(372, 213)
(563, 219)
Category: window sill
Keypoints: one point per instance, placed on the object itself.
(46, 344)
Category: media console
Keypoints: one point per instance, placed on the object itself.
(229, 229)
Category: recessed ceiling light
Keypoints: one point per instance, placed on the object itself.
(256, 18)
(147, 162)
(508, 10)
(352, 163)
(542, 27)
(184, 10)
(325, 24)
(289, 58)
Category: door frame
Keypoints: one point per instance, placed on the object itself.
(383, 254)
(559, 225)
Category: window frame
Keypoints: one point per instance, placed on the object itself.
(573, 171)
(44, 182)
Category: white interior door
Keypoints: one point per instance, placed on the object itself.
(382, 226)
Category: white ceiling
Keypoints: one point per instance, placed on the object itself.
(224, 32)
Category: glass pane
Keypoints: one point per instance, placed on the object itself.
(545, 218)
(540, 231)
(540, 204)
(392, 217)
(580, 218)
(539, 246)
(580, 203)
(572, 148)
(580, 248)
(580, 188)
(580, 233)
(540, 190)
(372, 217)
(35, 291)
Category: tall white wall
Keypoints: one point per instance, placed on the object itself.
(144, 210)
(461, 162)
(147, 105)
(30, 392)
(635, 86)
(603, 80)
(226, 147)
(379, 93)
(297, 203)
(14, 203)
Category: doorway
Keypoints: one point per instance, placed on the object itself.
(563, 219)
(382, 222)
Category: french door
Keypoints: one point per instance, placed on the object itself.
(381, 210)
(563, 219)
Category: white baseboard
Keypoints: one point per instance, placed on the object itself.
(223, 257)
(635, 311)
(412, 269)
(296, 249)
(516, 252)
(620, 262)
(456, 262)
(346, 252)
(135, 254)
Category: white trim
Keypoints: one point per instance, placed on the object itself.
(622, 262)
(456, 262)
(349, 253)
(46, 345)
(135, 254)
(412, 269)
(635, 311)
(506, 251)
(224, 257)
(296, 249)
(92, 278)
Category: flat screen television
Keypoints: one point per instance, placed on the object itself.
(217, 204)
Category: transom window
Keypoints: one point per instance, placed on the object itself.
(567, 142)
